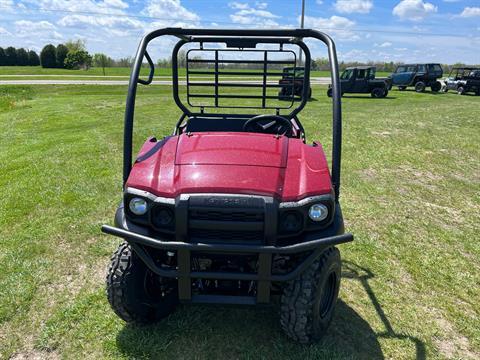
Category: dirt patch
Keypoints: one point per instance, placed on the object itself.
(368, 174)
(452, 344)
(35, 355)
(382, 133)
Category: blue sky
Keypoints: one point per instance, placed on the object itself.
(445, 31)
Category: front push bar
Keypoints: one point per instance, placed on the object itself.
(264, 275)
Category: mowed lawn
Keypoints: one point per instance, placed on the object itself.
(410, 195)
(37, 72)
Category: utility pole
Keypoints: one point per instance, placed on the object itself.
(302, 21)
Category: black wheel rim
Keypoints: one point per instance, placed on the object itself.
(328, 295)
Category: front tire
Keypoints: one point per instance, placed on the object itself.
(329, 92)
(378, 93)
(420, 87)
(436, 86)
(461, 90)
(308, 302)
(134, 292)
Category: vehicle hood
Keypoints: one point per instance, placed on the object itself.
(239, 163)
(232, 149)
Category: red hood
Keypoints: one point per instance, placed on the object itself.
(239, 163)
(232, 149)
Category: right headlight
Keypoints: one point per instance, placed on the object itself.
(318, 212)
(138, 206)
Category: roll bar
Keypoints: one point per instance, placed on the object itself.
(187, 35)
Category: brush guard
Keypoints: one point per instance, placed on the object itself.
(263, 277)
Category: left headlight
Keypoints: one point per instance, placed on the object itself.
(318, 212)
(138, 206)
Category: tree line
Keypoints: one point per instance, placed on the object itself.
(18, 57)
(71, 55)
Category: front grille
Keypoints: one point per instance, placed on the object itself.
(227, 215)
(226, 235)
(226, 219)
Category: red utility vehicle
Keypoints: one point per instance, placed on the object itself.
(232, 208)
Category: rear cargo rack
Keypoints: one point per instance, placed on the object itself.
(221, 86)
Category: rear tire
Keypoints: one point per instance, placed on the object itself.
(308, 302)
(329, 92)
(134, 292)
(420, 87)
(378, 93)
(436, 86)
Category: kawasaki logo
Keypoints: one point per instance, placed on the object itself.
(227, 201)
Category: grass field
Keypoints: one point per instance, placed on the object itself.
(410, 195)
(6, 72)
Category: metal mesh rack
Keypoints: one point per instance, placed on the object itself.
(215, 78)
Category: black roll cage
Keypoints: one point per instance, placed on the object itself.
(236, 38)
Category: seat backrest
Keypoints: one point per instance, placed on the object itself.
(204, 124)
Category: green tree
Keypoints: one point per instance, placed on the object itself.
(78, 60)
(76, 45)
(125, 62)
(22, 57)
(11, 56)
(33, 59)
(3, 57)
(103, 61)
(61, 54)
(48, 56)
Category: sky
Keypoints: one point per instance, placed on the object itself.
(445, 31)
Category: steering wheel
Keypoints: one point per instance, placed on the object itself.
(269, 124)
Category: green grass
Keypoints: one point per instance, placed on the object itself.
(410, 194)
(5, 71)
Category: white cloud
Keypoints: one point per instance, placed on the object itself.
(320, 2)
(116, 4)
(41, 29)
(3, 31)
(470, 12)
(353, 6)
(258, 15)
(104, 6)
(338, 26)
(82, 21)
(34, 26)
(170, 9)
(6, 6)
(414, 10)
(238, 5)
(261, 5)
(384, 45)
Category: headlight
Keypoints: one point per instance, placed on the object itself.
(138, 206)
(318, 212)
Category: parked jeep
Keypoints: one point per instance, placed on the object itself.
(463, 80)
(361, 80)
(418, 75)
(292, 80)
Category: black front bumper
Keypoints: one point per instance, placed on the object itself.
(314, 245)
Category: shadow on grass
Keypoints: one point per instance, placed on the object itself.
(356, 272)
(367, 97)
(427, 92)
(212, 332)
